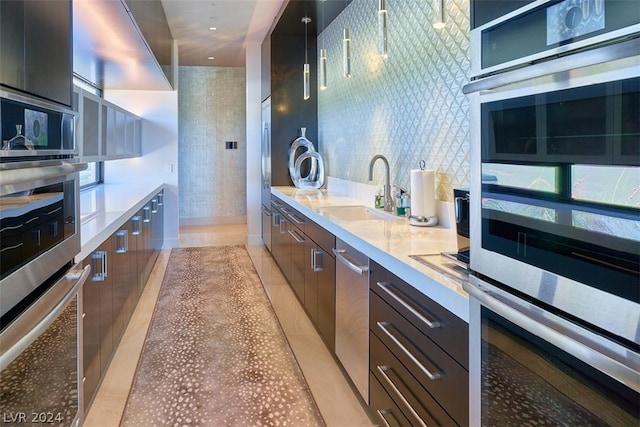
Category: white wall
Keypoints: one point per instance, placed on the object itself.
(159, 160)
(254, 121)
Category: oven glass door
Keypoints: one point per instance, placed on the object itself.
(40, 359)
(530, 367)
(560, 173)
(527, 381)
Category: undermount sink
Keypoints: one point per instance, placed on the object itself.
(355, 213)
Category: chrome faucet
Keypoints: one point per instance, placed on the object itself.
(388, 200)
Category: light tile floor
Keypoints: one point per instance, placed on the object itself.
(335, 398)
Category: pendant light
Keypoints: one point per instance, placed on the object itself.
(382, 28)
(305, 73)
(323, 57)
(346, 49)
(439, 8)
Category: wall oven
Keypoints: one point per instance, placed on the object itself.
(544, 29)
(40, 288)
(555, 241)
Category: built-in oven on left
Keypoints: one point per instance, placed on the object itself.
(40, 288)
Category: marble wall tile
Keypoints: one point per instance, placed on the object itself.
(211, 111)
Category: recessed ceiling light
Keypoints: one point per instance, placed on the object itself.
(212, 28)
(211, 58)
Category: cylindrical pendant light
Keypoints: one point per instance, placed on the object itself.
(438, 6)
(323, 57)
(323, 69)
(346, 54)
(306, 77)
(382, 28)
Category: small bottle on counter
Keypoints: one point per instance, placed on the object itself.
(379, 199)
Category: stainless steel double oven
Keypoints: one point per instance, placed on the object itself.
(555, 216)
(40, 288)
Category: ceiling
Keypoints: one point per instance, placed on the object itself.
(236, 23)
(110, 52)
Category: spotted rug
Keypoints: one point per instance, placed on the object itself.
(215, 354)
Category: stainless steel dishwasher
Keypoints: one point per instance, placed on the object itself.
(352, 314)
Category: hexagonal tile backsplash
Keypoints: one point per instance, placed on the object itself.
(407, 107)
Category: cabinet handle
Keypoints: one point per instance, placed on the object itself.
(315, 266)
(146, 216)
(8, 248)
(277, 204)
(122, 236)
(382, 370)
(405, 350)
(136, 225)
(383, 413)
(154, 206)
(275, 219)
(36, 237)
(160, 198)
(295, 236)
(432, 324)
(360, 269)
(283, 222)
(99, 274)
(54, 211)
(15, 227)
(295, 219)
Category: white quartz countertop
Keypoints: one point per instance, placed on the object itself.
(104, 208)
(389, 242)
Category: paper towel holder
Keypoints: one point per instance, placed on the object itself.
(423, 221)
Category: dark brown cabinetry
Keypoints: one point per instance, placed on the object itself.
(120, 268)
(36, 48)
(418, 354)
(302, 250)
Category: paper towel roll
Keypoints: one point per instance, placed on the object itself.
(423, 200)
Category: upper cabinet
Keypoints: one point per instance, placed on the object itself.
(36, 48)
(105, 131)
(128, 48)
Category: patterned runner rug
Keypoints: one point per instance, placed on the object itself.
(215, 354)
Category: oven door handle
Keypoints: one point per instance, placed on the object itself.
(36, 319)
(621, 363)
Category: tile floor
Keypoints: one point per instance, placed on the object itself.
(333, 394)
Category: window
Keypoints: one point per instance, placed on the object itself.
(92, 175)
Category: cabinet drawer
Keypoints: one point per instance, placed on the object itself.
(384, 409)
(443, 327)
(322, 237)
(444, 379)
(416, 404)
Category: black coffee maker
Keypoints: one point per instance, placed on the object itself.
(461, 208)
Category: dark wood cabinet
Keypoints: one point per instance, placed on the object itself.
(418, 351)
(307, 264)
(120, 268)
(36, 54)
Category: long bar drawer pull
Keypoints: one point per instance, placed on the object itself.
(383, 414)
(382, 370)
(295, 236)
(360, 269)
(429, 374)
(432, 324)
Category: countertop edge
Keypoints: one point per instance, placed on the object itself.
(455, 302)
(92, 240)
